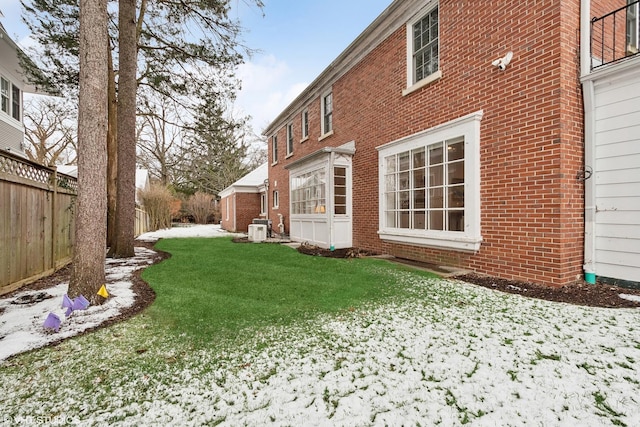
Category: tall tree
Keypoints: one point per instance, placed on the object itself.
(49, 131)
(215, 156)
(122, 246)
(160, 138)
(88, 273)
(184, 46)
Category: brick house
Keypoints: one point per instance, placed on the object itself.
(244, 200)
(420, 141)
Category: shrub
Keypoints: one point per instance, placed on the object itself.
(157, 201)
(200, 206)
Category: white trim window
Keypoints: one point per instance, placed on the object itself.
(308, 192)
(327, 113)
(305, 124)
(263, 203)
(16, 102)
(274, 148)
(430, 187)
(4, 93)
(423, 49)
(289, 139)
(276, 199)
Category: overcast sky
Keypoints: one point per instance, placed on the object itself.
(296, 40)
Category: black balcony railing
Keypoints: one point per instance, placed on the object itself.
(616, 35)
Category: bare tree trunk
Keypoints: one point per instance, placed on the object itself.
(112, 155)
(126, 183)
(87, 274)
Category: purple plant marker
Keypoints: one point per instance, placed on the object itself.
(66, 302)
(80, 303)
(52, 322)
(69, 311)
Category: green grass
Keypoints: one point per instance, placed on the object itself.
(212, 289)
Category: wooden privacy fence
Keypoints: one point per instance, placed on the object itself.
(36, 220)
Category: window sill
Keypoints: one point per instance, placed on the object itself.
(306, 138)
(442, 240)
(289, 155)
(274, 163)
(422, 83)
(326, 135)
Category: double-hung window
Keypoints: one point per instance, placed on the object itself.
(16, 99)
(289, 139)
(327, 113)
(429, 186)
(274, 148)
(423, 49)
(4, 93)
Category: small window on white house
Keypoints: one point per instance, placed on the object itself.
(305, 124)
(276, 199)
(274, 148)
(289, 139)
(430, 186)
(4, 92)
(16, 100)
(327, 113)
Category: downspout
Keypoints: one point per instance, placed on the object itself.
(588, 94)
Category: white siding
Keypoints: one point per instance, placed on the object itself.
(617, 176)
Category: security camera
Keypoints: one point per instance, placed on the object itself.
(502, 63)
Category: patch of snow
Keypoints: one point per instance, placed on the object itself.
(199, 230)
(630, 297)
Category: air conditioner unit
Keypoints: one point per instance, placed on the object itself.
(257, 232)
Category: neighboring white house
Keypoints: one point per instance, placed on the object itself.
(12, 86)
(611, 89)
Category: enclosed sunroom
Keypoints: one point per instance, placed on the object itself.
(320, 194)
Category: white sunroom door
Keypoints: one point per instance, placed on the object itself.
(617, 177)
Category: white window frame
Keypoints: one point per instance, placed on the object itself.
(276, 199)
(289, 139)
(323, 127)
(304, 121)
(263, 203)
(16, 103)
(470, 239)
(412, 84)
(5, 94)
(274, 149)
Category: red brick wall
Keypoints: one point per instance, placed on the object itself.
(531, 133)
(247, 207)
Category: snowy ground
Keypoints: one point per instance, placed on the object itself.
(453, 354)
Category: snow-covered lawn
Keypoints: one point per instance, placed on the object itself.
(451, 354)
